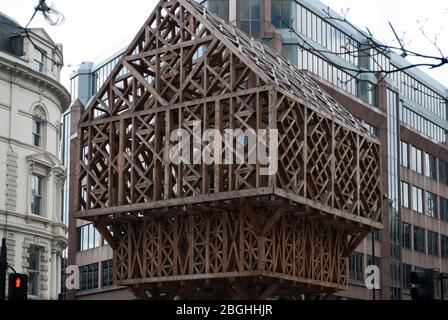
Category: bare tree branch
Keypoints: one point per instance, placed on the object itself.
(370, 49)
(432, 41)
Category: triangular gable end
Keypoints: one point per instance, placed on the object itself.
(43, 158)
(176, 57)
(43, 34)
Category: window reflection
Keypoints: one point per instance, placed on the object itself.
(88, 238)
(250, 16)
(220, 7)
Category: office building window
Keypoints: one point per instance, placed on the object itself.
(220, 7)
(407, 269)
(433, 243)
(419, 239)
(404, 154)
(420, 123)
(34, 271)
(39, 60)
(108, 279)
(396, 293)
(444, 209)
(444, 246)
(417, 199)
(284, 13)
(430, 166)
(37, 133)
(356, 266)
(395, 275)
(372, 129)
(375, 262)
(416, 160)
(367, 92)
(445, 289)
(250, 11)
(431, 204)
(443, 171)
(36, 193)
(375, 234)
(406, 235)
(88, 238)
(38, 126)
(89, 277)
(65, 138)
(419, 269)
(404, 195)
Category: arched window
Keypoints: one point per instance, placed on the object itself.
(39, 120)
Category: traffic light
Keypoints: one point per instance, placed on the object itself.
(424, 285)
(18, 287)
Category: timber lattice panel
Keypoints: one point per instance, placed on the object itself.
(225, 244)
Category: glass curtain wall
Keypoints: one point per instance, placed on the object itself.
(220, 7)
(394, 192)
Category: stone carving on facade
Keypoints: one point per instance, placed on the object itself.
(39, 113)
(60, 176)
(16, 79)
(11, 180)
(58, 246)
(58, 127)
(43, 160)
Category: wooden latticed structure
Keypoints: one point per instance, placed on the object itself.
(222, 230)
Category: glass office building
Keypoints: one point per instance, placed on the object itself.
(407, 111)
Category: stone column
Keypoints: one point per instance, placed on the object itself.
(53, 276)
(58, 274)
(268, 31)
(234, 12)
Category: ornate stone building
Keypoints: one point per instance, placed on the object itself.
(31, 175)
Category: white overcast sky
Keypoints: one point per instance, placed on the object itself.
(95, 29)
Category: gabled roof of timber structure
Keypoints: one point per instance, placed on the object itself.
(277, 69)
(269, 65)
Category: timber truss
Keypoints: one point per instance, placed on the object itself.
(222, 231)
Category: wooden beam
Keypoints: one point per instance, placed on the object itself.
(176, 202)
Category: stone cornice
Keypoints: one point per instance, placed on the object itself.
(31, 148)
(22, 71)
(60, 173)
(28, 226)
